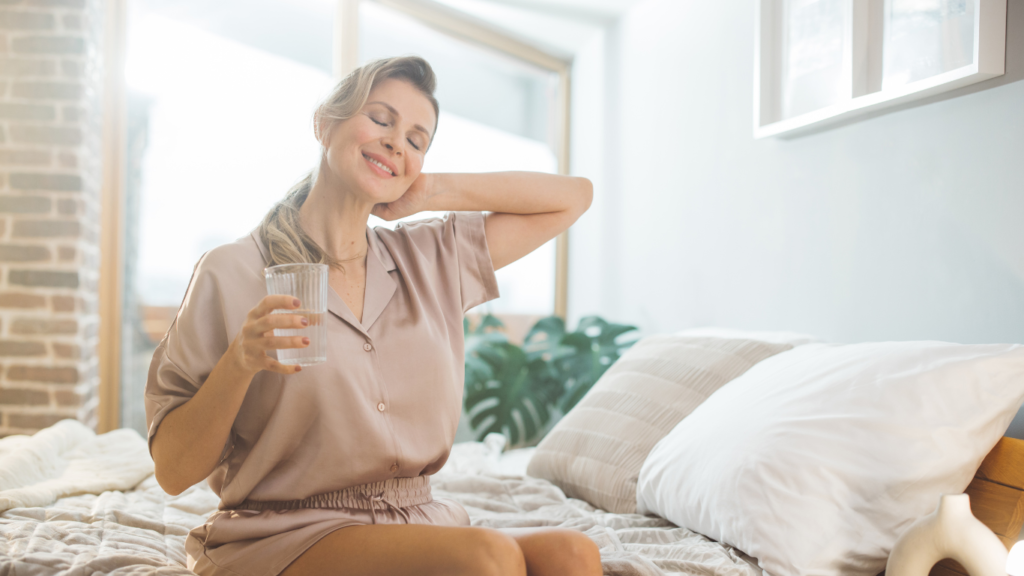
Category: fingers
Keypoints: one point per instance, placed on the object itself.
(275, 366)
(279, 342)
(265, 324)
(273, 302)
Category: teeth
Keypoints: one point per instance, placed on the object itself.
(385, 168)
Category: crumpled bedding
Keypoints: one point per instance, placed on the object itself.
(142, 531)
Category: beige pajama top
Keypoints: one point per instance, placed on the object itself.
(386, 403)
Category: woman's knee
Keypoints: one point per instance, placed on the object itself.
(491, 553)
(566, 553)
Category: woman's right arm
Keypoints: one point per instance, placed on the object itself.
(190, 441)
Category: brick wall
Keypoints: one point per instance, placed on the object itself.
(50, 173)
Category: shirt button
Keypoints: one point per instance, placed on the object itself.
(394, 467)
(380, 407)
(367, 347)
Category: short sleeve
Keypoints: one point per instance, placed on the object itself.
(191, 348)
(447, 251)
(478, 283)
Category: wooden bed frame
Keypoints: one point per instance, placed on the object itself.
(997, 497)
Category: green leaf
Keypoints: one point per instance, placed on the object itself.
(512, 390)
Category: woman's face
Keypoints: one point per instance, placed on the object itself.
(378, 153)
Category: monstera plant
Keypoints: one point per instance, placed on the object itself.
(514, 390)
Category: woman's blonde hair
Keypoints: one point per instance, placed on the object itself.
(280, 229)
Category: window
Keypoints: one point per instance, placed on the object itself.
(216, 130)
(821, 61)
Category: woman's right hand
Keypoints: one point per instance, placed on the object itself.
(249, 349)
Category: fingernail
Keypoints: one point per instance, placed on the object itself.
(295, 302)
(305, 340)
(305, 321)
(298, 368)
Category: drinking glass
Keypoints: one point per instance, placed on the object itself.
(308, 283)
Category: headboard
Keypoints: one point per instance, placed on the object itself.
(997, 497)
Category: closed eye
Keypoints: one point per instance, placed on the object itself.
(376, 122)
(414, 145)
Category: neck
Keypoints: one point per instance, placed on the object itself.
(335, 219)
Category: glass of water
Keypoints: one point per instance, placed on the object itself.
(308, 283)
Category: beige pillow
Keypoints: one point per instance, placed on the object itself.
(595, 452)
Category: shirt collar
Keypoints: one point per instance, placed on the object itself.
(380, 286)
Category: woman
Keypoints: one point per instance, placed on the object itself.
(325, 470)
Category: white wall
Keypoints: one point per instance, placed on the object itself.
(905, 225)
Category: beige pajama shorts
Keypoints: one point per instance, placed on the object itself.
(263, 538)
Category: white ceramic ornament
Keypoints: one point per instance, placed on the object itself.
(949, 532)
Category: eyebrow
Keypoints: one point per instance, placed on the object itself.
(395, 112)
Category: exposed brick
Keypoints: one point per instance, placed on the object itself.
(23, 67)
(57, 182)
(19, 348)
(25, 204)
(65, 253)
(57, 375)
(27, 112)
(43, 278)
(58, 3)
(72, 69)
(67, 350)
(72, 22)
(26, 20)
(21, 300)
(67, 160)
(17, 253)
(67, 398)
(48, 90)
(46, 135)
(63, 303)
(67, 207)
(74, 113)
(44, 326)
(46, 228)
(48, 45)
(33, 421)
(24, 157)
(18, 396)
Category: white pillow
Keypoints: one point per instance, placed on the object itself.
(816, 459)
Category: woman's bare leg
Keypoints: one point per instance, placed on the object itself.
(557, 552)
(411, 550)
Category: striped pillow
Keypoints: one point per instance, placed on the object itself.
(595, 452)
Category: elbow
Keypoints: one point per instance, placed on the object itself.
(171, 486)
(586, 195)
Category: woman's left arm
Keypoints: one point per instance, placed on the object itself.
(527, 208)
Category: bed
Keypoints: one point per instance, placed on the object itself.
(76, 503)
(142, 530)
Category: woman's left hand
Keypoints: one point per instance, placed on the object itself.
(413, 201)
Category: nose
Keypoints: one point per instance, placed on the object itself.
(389, 144)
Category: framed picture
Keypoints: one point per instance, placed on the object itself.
(821, 61)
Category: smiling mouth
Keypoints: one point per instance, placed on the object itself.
(379, 165)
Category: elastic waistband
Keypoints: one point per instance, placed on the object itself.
(400, 492)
